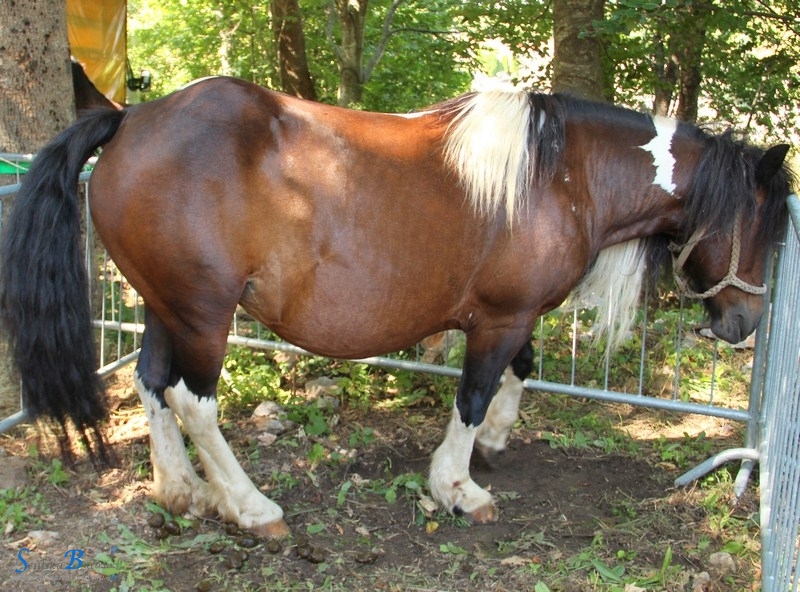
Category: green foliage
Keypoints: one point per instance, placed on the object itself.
(179, 41)
(20, 508)
(749, 66)
(406, 484)
(750, 56)
(57, 475)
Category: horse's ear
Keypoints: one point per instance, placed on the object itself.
(771, 163)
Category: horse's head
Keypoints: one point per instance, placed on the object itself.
(724, 259)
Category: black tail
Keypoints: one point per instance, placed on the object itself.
(44, 300)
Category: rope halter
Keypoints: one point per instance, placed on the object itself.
(680, 253)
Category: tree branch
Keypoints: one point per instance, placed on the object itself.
(337, 51)
(386, 33)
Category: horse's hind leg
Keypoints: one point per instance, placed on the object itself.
(197, 362)
(176, 485)
(492, 436)
(192, 367)
(239, 500)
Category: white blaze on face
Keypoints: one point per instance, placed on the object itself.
(659, 147)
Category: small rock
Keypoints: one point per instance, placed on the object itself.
(367, 557)
(317, 555)
(327, 402)
(234, 560)
(216, 547)
(44, 538)
(155, 520)
(248, 542)
(274, 427)
(172, 527)
(267, 409)
(266, 439)
(722, 563)
(301, 540)
(321, 387)
(13, 471)
(701, 581)
(287, 358)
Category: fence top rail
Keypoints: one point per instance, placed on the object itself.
(6, 190)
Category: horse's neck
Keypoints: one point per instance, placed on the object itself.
(646, 194)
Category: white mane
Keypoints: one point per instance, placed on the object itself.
(487, 143)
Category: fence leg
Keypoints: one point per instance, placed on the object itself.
(746, 454)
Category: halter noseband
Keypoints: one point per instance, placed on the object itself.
(680, 253)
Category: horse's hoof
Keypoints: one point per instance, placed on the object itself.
(484, 515)
(272, 530)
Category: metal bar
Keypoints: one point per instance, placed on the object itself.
(13, 420)
(715, 461)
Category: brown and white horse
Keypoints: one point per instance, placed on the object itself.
(311, 216)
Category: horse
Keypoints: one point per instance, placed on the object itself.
(309, 216)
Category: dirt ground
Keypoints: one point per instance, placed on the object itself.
(554, 504)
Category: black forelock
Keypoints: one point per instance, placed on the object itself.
(724, 186)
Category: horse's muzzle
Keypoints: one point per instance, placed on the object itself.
(734, 326)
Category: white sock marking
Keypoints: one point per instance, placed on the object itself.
(659, 147)
(175, 482)
(501, 415)
(240, 501)
(449, 480)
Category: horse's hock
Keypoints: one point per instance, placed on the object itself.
(772, 416)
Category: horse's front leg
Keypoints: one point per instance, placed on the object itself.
(449, 480)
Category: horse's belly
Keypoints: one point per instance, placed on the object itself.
(342, 320)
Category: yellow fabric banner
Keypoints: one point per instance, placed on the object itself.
(97, 39)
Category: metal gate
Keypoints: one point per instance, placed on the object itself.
(780, 423)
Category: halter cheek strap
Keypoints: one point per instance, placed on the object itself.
(680, 253)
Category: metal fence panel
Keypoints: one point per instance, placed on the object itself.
(780, 424)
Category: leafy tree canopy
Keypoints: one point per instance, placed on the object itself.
(749, 58)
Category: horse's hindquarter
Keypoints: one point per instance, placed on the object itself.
(340, 230)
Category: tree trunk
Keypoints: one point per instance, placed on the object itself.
(680, 42)
(577, 67)
(36, 102)
(693, 39)
(666, 72)
(36, 95)
(352, 15)
(287, 28)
